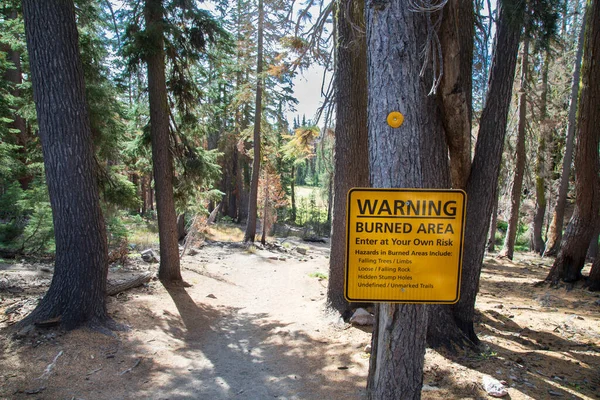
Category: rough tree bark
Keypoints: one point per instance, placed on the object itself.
(351, 152)
(413, 155)
(250, 233)
(556, 225)
(455, 92)
(455, 102)
(491, 246)
(571, 256)
(162, 160)
(520, 158)
(541, 167)
(482, 184)
(78, 288)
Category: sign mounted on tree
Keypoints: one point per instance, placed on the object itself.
(404, 245)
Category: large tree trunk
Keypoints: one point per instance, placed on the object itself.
(250, 233)
(162, 160)
(483, 180)
(581, 228)
(556, 226)
(351, 152)
(455, 93)
(78, 288)
(593, 282)
(520, 158)
(411, 156)
(541, 167)
(455, 102)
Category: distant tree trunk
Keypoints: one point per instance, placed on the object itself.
(351, 152)
(181, 227)
(78, 288)
(144, 194)
(593, 282)
(556, 226)
(520, 158)
(150, 193)
(483, 180)
(592, 251)
(242, 192)
(411, 156)
(263, 238)
(541, 168)
(455, 93)
(293, 194)
(250, 233)
(232, 210)
(571, 256)
(162, 160)
(493, 226)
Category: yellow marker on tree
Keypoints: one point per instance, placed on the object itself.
(395, 119)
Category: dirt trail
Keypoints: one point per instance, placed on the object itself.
(253, 326)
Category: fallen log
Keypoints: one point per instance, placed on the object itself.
(115, 286)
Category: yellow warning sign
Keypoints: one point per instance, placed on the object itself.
(404, 245)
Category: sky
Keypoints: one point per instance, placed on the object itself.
(307, 89)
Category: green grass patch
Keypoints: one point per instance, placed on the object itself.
(318, 275)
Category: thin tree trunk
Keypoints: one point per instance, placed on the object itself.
(78, 288)
(293, 194)
(558, 216)
(250, 233)
(413, 155)
(144, 190)
(162, 160)
(541, 167)
(520, 156)
(150, 193)
(263, 239)
(351, 152)
(483, 180)
(571, 256)
(592, 251)
(493, 226)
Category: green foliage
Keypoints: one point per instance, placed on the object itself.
(12, 215)
(119, 191)
(312, 217)
(318, 275)
(26, 219)
(502, 226)
(116, 230)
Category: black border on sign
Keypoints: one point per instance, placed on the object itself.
(460, 254)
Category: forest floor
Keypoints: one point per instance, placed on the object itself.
(253, 325)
